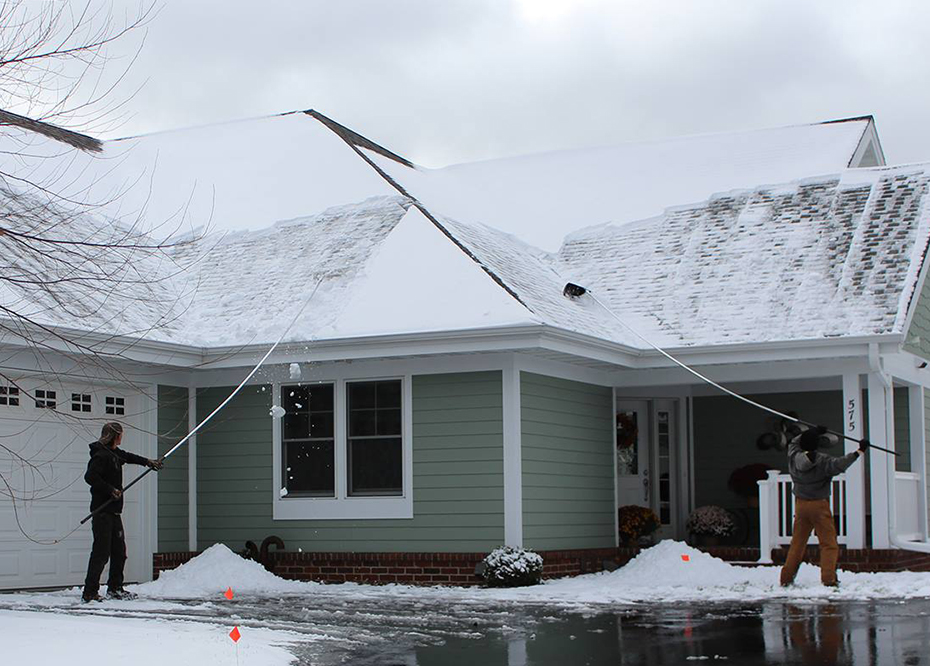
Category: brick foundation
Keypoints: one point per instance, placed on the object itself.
(459, 568)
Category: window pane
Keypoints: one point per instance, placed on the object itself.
(363, 395)
(389, 421)
(320, 398)
(375, 466)
(296, 426)
(388, 394)
(363, 423)
(309, 469)
(321, 424)
(292, 396)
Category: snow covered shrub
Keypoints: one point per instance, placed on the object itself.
(636, 521)
(711, 521)
(512, 567)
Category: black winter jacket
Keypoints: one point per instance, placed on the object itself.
(105, 474)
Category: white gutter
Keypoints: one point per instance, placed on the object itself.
(892, 499)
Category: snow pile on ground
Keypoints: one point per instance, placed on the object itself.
(673, 571)
(212, 572)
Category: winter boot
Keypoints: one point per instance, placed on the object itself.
(121, 595)
(86, 599)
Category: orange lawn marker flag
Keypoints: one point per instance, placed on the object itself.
(235, 635)
(685, 558)
(228, 593)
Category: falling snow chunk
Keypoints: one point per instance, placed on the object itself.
(295, 371)
(277, 411)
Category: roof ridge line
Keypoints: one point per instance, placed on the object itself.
(332, 125)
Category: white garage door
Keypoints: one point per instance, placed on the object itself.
(50, 425)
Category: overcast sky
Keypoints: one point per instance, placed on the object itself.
(444, 81)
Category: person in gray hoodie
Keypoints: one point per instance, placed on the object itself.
(812, 474)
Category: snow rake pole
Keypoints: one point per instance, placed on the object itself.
(215, 411)
(573, 291)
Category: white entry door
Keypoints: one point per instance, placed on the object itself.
(48, 425)
(633, 453)
(647, 466)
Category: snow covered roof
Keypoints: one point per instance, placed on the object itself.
(831, 256)
(819, 258)
(542, 198)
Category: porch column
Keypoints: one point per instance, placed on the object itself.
(855, 475)
(192, 469)
(915, 401)
(513, 457)
(881, 410)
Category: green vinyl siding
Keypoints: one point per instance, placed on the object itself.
(458, 479)
(567, 459)
(172, 480)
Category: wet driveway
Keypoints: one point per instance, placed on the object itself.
(385, 631)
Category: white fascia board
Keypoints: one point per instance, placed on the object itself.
(745, 372)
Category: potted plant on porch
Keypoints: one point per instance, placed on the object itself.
(708, 524)
(635, 523)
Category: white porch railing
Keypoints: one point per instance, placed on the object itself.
(776, 512)
(907, 498)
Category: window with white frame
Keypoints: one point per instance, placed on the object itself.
(343, 450)
(46, 399)
(374, 451)
(9, 396)
(80, 402)
(307, 439)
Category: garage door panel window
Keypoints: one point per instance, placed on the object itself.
(114, 406)
(9, 396)
(46, 399)
(80, 402)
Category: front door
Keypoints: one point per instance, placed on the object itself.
(633, 453)
(647, 474)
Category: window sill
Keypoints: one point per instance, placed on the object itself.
(349, 508)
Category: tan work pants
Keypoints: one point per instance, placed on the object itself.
(812, 515)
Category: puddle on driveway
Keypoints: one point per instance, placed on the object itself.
(889, 633)
(379, 630)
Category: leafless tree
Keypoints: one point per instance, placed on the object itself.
(63, 258)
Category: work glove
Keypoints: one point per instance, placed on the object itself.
(154, 464)
(864, 445)
(117, 493)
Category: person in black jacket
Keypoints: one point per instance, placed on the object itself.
(105, 477)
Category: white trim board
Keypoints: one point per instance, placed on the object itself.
(513, 461)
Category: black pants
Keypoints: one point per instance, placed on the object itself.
(109, 544)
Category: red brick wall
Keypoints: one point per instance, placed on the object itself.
(459, 568)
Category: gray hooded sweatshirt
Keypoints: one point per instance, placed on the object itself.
(812, 473)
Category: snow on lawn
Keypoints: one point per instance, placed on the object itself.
(214, 570)
(670, 571)
(79, 640)
(674, 571)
